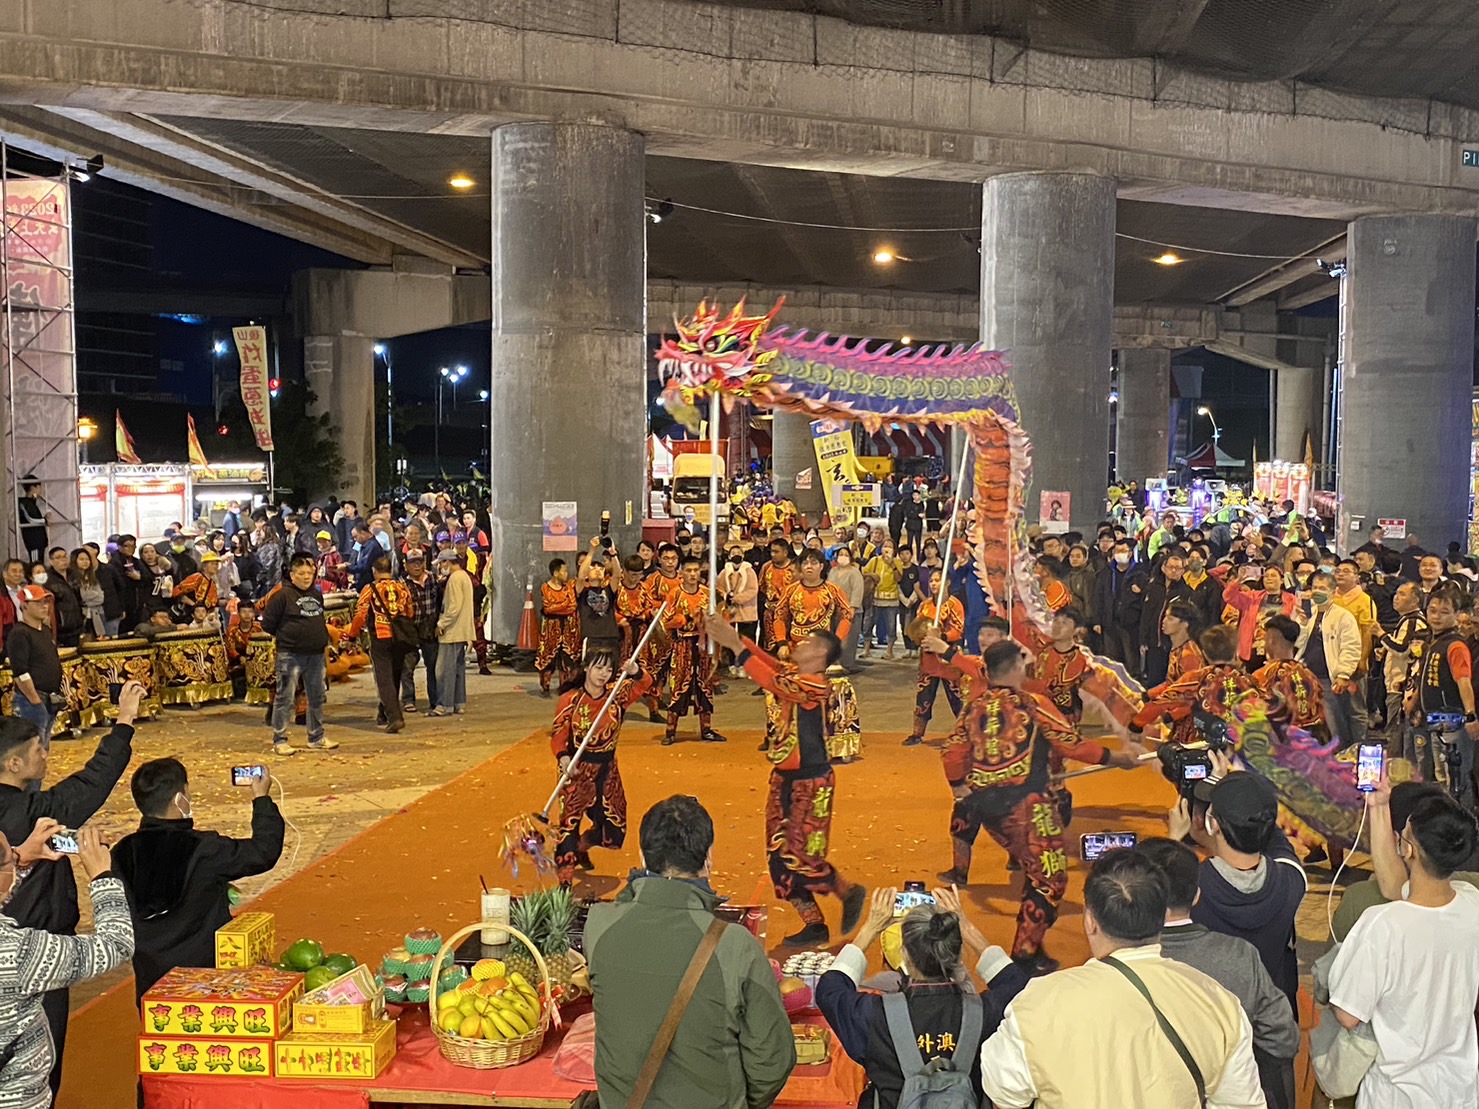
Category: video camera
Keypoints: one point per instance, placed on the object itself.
(1183, 764)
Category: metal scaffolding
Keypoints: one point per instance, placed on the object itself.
(39, 351)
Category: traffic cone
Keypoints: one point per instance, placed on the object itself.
(528, 625)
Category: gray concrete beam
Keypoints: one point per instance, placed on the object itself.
(1322, 287)
(764, 87)
(221, 162)
(1285, 274)
(53, 137)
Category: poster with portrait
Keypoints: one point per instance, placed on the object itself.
(1053, 511)
(561, 528)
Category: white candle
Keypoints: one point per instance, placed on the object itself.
(495, 912)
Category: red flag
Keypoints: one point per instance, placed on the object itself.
(123, 442)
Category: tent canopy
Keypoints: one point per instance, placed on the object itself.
(1210, 456)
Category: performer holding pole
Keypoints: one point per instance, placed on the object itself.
(798, 810)
(590, 781)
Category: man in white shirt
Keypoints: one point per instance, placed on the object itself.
(1410, 968)
(1056, 1048)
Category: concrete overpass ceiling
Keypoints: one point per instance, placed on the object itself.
(771, 227)
(1423, 49)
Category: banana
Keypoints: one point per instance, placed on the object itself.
(525, 1006)
(521, 982)
(514, 1017)
(504, 1026)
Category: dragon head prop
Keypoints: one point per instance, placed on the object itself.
(714, 349)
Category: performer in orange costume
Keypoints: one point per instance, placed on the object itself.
(776, 577)
(1212, 690)
(948, 625)
(632, 618)
(559, 627)
(1182, 624)
(809, 605)
(688, 685)
(997, 762)
(802, 797)
(594, 789)
(1294, 695)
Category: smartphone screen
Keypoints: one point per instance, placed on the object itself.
(65, 842)
(1369, 762)
(1093, 844)
(908, 899)
(245, 775)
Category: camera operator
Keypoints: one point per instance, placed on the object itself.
(1233, 963)
(39, 965)
(936, 997)
(177, 877)
(596, 600)
(1444, 748)
(31, 648)
(1409, 969)
(47, 899)
(1251, 884)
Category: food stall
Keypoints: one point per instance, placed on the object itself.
(215, 486)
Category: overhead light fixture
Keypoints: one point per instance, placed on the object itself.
(906, 340)
(461, 181)
(1169, 259)
(379, 348)
(660, 211)
(883, 256)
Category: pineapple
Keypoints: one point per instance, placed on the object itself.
(545, 916)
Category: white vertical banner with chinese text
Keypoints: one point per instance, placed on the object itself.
(251, 348)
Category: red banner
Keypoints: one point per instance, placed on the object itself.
(251, 347)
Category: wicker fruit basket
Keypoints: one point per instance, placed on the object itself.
(480, 1054)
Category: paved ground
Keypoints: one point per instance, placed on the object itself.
(331, 797)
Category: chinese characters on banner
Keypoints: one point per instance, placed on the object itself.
(561, 525)
(251, 347)
(835, 456)
(1284, 481)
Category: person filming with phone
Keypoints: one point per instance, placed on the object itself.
(47, 898)
(39, 964)
(1441, 702)
(937, 1019)
(178, 878)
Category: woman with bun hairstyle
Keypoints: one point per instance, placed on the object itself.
(937, 988)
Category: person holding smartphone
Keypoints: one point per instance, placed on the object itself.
(177, 877)
(1442, 702)
(47, 899)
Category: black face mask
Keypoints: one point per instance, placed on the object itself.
(735, 560)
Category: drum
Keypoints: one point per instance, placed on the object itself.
(192, 667)
(112, 662)
(79, 690)
(261, 669)
(7, 700)
(339, 613)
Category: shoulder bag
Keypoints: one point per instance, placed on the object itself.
(1171, 1034)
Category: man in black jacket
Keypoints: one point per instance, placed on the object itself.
(1119, 599)
(47, 898)
(177, 877)
(294, 615)
(1166, 585)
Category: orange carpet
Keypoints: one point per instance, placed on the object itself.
(420, 866)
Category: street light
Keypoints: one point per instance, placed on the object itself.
(381, 351)
(454, 375)
(1216, 431)
(87, 428)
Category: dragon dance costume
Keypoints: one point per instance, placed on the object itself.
(1001, 751)
(559, 632)
(632, 617)
(594, 790)
(1184, 659)
(799, 805)
(774, 582)
(688, 683)
(800, 610)
(933, 672)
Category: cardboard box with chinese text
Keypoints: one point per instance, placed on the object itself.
(205, 1055)
(247, 941)
(324, 1055)
(253, 1002)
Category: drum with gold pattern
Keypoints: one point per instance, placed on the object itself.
(192, 667)
(111, 663)
(78, 689)
(7, 700)
(261, 668)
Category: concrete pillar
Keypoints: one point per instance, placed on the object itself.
(1407, 376)
(569, 342)
(1297, 411)
(1143, 422)
(1047, 300)
(340, 369)
(792, 452)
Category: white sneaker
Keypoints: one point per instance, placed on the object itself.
(283, 747)
(324, 744)
(439, 711)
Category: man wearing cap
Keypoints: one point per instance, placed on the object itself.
(1251, 883)
(454, 632)
(472, 562)
(331, 572)
(35, 663)
(426, 598)
(199, 589)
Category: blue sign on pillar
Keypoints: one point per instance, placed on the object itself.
(1471, 158)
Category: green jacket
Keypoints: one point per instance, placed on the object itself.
(733, 1048)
